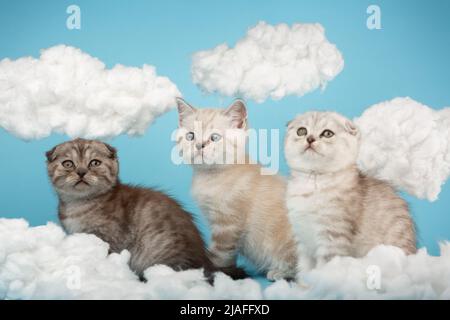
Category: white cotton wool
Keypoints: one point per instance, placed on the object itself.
(45, 263)
(269, 62)
(407, 144)
(70, 92)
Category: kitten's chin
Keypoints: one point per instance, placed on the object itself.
(82, 191)
(200, 160)
(81, 185)
(72, 195)
(309, 164)
(318, 167)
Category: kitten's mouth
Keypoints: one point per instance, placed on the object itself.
(310, 148)
(197, 158)
(199, 154)
(81, 182)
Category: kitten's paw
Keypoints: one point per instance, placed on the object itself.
(301, 284)
(278, 274)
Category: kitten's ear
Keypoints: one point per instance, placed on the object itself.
(112, 150)
(238, 114)
(50, 155)
(351, 128)
(184, 109)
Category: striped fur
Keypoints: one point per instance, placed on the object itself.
(334, 209)
(153, 227)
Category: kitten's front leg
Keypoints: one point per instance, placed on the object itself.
(334, 244)
(305, 263)
(224, 245)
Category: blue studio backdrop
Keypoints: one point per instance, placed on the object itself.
(409, 56)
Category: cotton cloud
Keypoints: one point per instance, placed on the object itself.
(67, 91)
(44, 263)
(269, 62)
(407, 144)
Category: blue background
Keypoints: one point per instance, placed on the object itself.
(408, 57)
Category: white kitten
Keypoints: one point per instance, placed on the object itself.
(334, 209)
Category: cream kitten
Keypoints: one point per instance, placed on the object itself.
(334, 209)
(246, 210)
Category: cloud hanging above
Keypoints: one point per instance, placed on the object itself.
(70, 92)
(45, 263)
(407, 144)
(269, 62)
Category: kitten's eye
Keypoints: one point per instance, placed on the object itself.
(94, 163)
(67, 164)
(302, 131)
(190, 136)
(215, 137)
(327, 133)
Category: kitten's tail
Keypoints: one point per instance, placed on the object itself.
(233, 272)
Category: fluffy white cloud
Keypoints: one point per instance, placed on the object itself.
(68, 91)
(407, 144)
(270, 61)
(44, 263)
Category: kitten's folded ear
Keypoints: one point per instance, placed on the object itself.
(50, 155)
(184, 109)
(238, 114)
(112, 150)
(351, 127)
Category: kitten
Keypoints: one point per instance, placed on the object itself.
(246, 210)
(333, 207)
(150, 225)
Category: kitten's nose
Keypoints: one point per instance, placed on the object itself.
(81, 172)
(310, 139)
(200, 146)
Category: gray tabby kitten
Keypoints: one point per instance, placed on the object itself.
(153, 227)
(333, 207)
